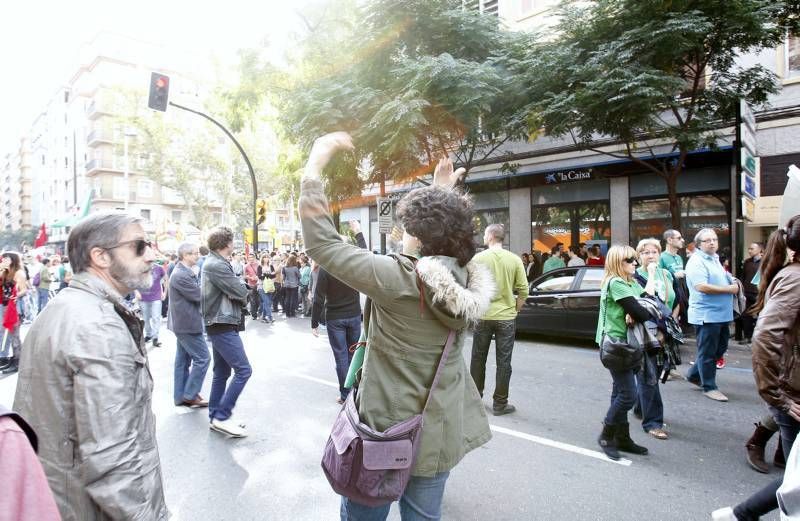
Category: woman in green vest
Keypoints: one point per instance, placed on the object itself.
(618, 310)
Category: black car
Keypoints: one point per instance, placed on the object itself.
(563, 302)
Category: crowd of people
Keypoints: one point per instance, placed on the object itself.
(84, 385)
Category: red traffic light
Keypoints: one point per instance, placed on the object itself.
(159, 92)
(162, 82)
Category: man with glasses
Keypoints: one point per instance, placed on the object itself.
(185, 320)
(710, 311)
(85, 384)
(670, 260)
(223, 297)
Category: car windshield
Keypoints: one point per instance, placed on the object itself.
(561, 281)
(592, 279)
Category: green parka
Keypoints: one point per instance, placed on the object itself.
(407, 335)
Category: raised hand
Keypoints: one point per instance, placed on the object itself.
(323, 150)
(444, 175)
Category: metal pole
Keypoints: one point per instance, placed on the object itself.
(383, 194)
(127, 181)
(246, 160)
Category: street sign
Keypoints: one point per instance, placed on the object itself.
(749, 139)
(749, 188)
(748, 118)
(748, 162)
(748, 209)
(385, 219)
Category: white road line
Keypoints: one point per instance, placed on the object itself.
(510, 432)
(559, 445)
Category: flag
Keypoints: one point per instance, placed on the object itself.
(11, 317)
(41, 238)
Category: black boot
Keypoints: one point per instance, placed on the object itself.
(780, 459)
(607, 441)
(624, 442)
(10, 368)
(755, 448)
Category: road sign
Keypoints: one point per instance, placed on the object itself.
(748, 209)
(385, 218)
(749, 188)
(749, 163)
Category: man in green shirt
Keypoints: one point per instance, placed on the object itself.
(554, 262)
(500, 319)
(670, 260)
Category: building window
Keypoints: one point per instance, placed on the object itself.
(570, 224)
(120, 188)
(177, 216)
(145, 188)
(791, 64)
(145, 213)
(97, 187)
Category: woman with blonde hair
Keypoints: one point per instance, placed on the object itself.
(658, 282)
(618, 309)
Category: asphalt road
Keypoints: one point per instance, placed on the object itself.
(542, 464)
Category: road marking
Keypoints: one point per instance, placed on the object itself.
(560, 445)
(510, 432)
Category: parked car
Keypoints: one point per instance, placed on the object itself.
(563, 302)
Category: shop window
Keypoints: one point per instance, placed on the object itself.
(650, 218)
(484, 218)
(570, 224)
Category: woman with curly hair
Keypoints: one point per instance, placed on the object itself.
(619, 309)
(776, 361)
(418, 298)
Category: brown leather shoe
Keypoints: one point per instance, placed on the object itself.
(196, 403)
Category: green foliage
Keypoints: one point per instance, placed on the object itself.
(14, 240)
(641, 69)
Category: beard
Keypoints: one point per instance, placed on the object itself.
(131, 278)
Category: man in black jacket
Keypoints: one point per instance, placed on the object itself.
(342, 305)
(185, 320)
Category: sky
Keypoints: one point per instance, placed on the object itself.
(40, 40)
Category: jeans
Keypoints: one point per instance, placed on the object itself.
(712, 342)
(648, 396)
(305, 301)
(290, 301)
(191, 351)
(623, 396)
(421, 501)
(228, 354)
(44, 297)
(503, 331)
(266, 304)
(151, 312)
(342, 333)
(764, 500)
(9, 339)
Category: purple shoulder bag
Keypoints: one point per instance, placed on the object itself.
(370, 467)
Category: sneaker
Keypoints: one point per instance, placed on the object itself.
(674, 374)
(228, 427)
(506, 408)
(716, 395)
(721, 363)
(723, 514)
(659, 434)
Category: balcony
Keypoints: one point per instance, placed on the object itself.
(96, 110)
(101, 164)
(99, 136)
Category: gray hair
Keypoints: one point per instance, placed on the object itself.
(669, 234)
(698, 237)
(496, 231)
(186, 249)
(98, 230)
(648, 242)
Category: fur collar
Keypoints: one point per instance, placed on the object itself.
(470, 302)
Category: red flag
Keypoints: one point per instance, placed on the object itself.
(11, 317)
(41, 238)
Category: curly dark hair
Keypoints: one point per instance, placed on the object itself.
(442, 221)
(220, 238)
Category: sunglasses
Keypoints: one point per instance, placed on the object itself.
(141, 246)
(631, 260)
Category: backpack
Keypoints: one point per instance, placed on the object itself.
(268, 285)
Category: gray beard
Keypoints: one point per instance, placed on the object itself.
(130, 279)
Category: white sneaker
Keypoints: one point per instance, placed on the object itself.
(723, 514)
(228, 427)
(716, 395)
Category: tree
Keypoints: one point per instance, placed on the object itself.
(650, 73)
(410, 79)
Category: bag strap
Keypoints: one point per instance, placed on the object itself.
(450, 340)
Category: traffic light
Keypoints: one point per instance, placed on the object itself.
(261, 210)
(159, 92)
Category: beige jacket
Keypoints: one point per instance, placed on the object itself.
(85, 387)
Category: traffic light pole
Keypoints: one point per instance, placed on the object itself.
(246, 160)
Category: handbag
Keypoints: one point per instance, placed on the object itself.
(371, 467)
(617, 354)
